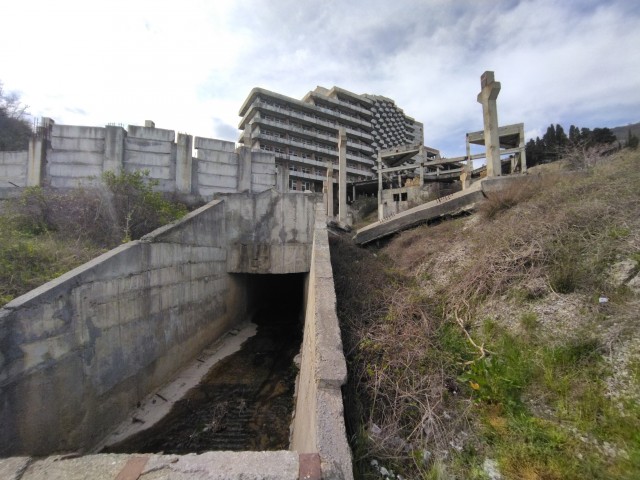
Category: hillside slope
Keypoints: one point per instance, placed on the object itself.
(504, 344)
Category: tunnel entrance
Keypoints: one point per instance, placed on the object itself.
(245, 401)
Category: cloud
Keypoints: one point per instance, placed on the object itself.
(190, 67)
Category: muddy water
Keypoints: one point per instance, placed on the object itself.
(243, 403)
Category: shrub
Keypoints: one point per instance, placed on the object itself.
(138, 209)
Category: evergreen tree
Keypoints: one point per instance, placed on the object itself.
(632, 141)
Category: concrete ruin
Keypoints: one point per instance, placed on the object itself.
(67, 156)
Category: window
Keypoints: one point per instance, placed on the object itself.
(305, 169)
(293, 184)
(306, 185)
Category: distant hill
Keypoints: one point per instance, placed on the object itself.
(622, 133)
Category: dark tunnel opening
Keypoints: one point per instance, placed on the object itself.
(245, 402)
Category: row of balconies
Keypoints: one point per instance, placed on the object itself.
(335, 113)
(352, 107)
(260, 121)
(313, 148)
(309, 161)
(306, 117)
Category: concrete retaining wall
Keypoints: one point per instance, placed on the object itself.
(13, 169)
(270, 232)
(66, 156)
(318, 424)
(79, 352)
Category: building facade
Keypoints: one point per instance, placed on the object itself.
(303, 134)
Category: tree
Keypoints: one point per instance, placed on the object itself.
(15, 128)
(632, 141)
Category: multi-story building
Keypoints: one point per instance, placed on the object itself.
(303, 134)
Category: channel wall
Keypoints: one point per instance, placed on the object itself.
(78, 353)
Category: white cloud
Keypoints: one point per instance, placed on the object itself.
(189, 66)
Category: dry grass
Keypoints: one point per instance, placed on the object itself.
(482, 338)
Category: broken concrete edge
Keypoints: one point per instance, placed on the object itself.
(275, 465)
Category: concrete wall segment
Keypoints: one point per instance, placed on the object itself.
(77, 131)
(151, 133)
(201, 143)
(78, 351)
(318, 425)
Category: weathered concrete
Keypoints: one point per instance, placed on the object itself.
(67, 156)
(282, 465)
(342, 175)
(318, 424)
(487, 97)
(269, 232)
(13, 169)
(184, 157)
(80, 351)
(449, 205)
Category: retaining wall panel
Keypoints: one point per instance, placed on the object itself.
(14, 158)
(78, 144)
(76, 131)
(74, 159)
(159, 173)
(147, 159)
(201, 143)
(11, 172)
(224, 181)
(74, 172)
(215, 156)
(148, 133)
(149, 146)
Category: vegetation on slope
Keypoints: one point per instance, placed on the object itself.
(45, 232)
(505, 344)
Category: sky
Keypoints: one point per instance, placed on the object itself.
(190, 65)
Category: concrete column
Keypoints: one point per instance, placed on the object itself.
(184, 162)
(342, 175)
(113, 149)
(244, 169)
(523, 151)
(380, 206)
(487, 97)
(353, 197)
(329, 190)
(36, 161)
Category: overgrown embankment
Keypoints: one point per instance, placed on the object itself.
(46, 233)
(505, 344)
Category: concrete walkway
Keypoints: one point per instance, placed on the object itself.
(284, 465)
(449, 205)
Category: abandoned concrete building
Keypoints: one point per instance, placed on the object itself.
(303, 134)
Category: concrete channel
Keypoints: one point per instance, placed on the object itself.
(87, 359)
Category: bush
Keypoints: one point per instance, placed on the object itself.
(47, 232)
(137, 208)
